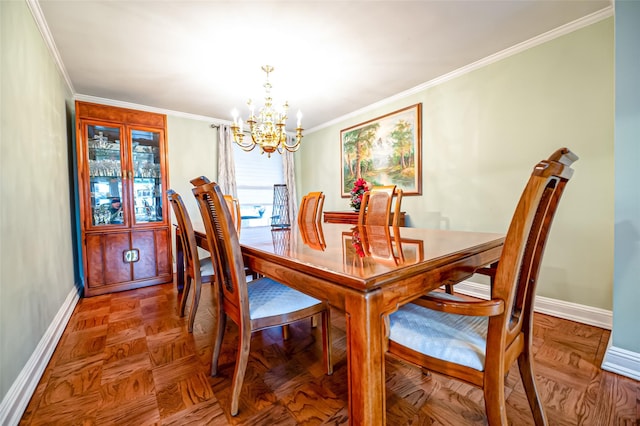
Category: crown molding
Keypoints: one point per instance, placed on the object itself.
(41, 23)
(510, 51)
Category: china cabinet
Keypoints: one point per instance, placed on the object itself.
(122, 180)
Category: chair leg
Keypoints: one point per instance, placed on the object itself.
(314, 321)
(448, 288)
(494, 400)
(185, 294)
(326, 341)
(242, 358)
(286, 333)
(220, 323)
(529, 383)
(194, 305)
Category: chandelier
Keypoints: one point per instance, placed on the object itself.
(268, 128)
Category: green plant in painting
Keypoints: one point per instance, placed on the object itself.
(358, 146)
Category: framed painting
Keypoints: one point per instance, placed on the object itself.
(384, 151)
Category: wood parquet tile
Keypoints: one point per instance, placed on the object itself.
(127, 359)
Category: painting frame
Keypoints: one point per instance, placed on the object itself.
(391, 146)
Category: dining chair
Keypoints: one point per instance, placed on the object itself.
(375, 208)
(197, 271)
(254, 305)
(477, 341)
(310, 226)
(311, 207)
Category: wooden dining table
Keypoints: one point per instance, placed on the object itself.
(362, 287)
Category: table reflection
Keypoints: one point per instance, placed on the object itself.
(312, 235)
(366, 247)
(281, 240)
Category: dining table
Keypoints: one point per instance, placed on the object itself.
(344, 273)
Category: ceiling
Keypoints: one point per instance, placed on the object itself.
(330, 57)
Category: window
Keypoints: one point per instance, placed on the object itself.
(255, 176)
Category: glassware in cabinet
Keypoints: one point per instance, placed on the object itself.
(105, 174)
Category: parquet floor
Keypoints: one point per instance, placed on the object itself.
(127, 359)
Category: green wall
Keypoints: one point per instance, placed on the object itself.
(626, 315)
(482, 134)
(193, 152)
(36, 247)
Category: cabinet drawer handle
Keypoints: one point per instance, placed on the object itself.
(131, 256)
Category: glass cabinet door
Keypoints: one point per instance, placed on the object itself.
(147, 175)
(105, 175)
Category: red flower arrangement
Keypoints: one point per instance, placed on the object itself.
(359, 187)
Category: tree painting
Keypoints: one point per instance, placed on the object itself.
(384, 151)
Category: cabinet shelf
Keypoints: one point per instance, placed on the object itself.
(104, 176)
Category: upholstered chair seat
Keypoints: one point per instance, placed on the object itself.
(206, 267)
(269, 298)
(454, 338)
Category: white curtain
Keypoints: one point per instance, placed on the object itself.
(226, 165)
(288, 169)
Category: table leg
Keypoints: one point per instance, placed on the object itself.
(179, 263)
(365, 359)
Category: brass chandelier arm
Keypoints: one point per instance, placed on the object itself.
(296, 145)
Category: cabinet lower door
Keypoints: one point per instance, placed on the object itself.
(153, 246)
(118, 261)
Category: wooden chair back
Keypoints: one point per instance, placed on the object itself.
(186, 235)
(517, 272)
(376, 206)
(228, 261)
(190, 252)
(197, 181)
(311, 207)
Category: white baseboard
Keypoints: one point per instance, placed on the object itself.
(621, 361)
(566, 310)
(17, 398)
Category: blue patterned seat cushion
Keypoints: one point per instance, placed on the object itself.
(206, 267)
(450, 337)
(268, 297)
